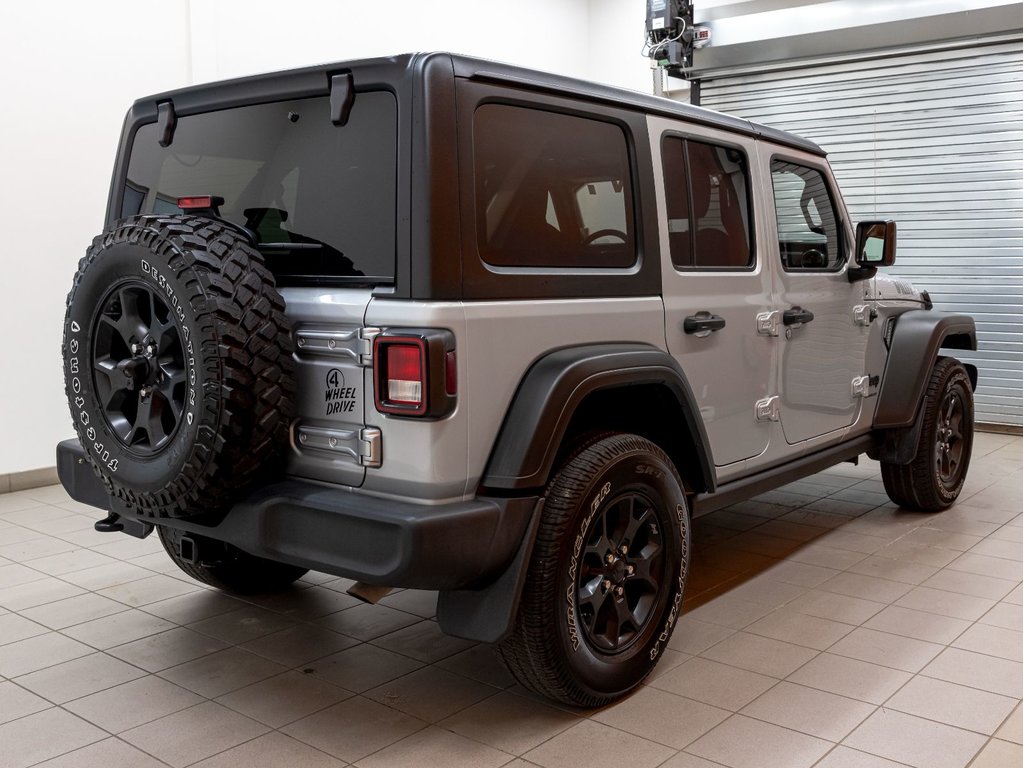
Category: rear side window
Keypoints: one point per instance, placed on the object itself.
(552, 190)
(808, 236)
(707, 194)
(320, 198)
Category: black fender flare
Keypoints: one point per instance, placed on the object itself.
(554, 386)
(918, 336)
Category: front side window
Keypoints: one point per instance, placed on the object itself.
(808, 237)
(707, 194)
(552, 190)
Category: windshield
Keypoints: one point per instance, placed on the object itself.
(320, 198)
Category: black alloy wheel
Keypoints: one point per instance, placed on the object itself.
(139, 368)
(950, 439)
(606, 575)
(933, 480)
(621, 572)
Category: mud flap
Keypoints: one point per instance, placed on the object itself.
(486, 615)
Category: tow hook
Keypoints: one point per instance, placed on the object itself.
(114, 523)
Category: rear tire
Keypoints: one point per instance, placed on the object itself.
(227, 567)
(934, 479)
(606, 577)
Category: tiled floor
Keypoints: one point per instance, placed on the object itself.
(823, 627)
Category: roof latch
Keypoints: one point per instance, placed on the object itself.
(166, 121)
(342, 95)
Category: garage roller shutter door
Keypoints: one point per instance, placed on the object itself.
(935, 141)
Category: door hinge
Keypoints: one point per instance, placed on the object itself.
(864, 315)
(369, 447)
(767, 409)
(864, 386)
(767, 323)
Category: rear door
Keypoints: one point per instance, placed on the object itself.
(718, 292)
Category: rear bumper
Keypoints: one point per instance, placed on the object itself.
(460, 545)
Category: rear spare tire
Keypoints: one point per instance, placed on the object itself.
(177, 364)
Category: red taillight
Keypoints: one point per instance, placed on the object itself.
(414, 372)
(401, 375)
(405, 383)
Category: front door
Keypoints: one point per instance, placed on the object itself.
(823, 350)
(714, 284)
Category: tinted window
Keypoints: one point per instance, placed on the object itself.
(552, 190)
(707, 194)
(676, 192)
(321, 198)
(807, 226)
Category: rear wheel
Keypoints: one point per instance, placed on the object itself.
(934, 479)
(225, 567)
(606, 577)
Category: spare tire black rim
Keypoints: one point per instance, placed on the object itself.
(621, 572)
(139, 367)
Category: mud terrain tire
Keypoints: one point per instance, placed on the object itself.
(177, 365)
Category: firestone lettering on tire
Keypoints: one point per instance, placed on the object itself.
(99, 452)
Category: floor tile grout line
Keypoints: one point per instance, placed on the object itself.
(819, 690)
(941, 722)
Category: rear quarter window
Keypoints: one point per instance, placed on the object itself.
(551, 189)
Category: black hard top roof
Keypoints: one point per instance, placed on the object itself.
(482, 69)
(314, 80)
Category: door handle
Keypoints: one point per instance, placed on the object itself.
(703, 324)
(796, 316)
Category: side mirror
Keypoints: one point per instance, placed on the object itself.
(875, 243)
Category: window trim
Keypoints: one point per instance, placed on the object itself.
(750, 206)
(839, 220)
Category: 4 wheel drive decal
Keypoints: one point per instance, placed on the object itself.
(573, 630)
(338, 396)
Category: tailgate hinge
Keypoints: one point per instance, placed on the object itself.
(369, 447)
(366, 336)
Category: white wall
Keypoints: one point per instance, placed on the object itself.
(69, 70)
(238, 37)
(67, 75)
(617, 29)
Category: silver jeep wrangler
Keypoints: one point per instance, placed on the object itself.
(439, 323)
